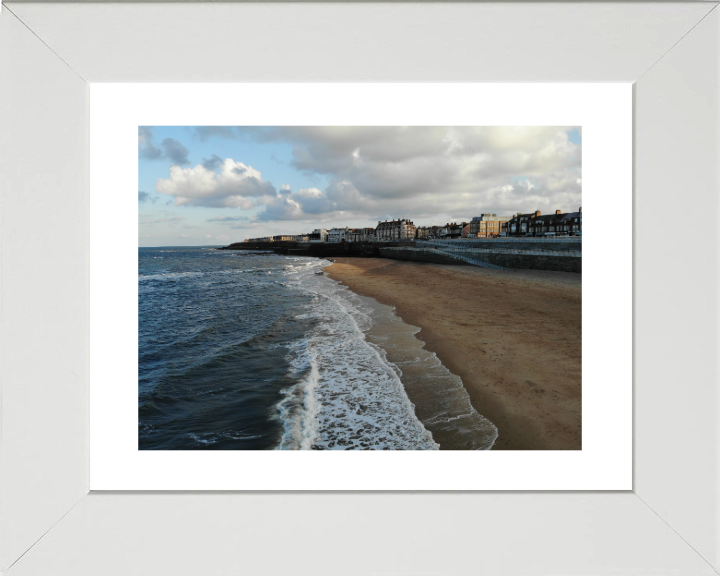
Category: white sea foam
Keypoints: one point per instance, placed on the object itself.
(213, 437)
(441, 401)
(349, 396)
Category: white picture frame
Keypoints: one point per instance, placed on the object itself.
(49, 523)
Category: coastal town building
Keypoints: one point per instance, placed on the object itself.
(319, 235)
(486, 226)
(423, 232)
(338, 234)
(453, 230)
(483, 226)
(557, 224)
(395, 230)
(572, 223)
(535, 224)
(360, 235)
(518, 224)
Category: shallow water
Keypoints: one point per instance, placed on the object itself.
(252, 350)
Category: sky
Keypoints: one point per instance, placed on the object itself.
(213, 185)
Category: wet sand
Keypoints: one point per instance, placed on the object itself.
(515, 339)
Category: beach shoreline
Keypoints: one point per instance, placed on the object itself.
(514, 338)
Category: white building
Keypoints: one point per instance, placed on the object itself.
(337, 234)
(319, 235)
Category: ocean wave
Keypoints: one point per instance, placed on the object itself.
(348, 396)
(169, 276)
(209, 438)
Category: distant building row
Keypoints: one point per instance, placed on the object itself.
(386, 231)
(483, 226)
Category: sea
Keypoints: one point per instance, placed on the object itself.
(251, 350)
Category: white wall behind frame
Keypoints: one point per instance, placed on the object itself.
(113, 536)
(350, 42)
(43, 290)
(677, 313)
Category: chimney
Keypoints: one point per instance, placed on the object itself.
(580, 209)
(557, 211)
(537, 213)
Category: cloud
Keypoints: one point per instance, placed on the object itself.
(170, 148)
(145, 197)
(166, 218)
(282, 208)
(424, 171)
(234, 187)
(526, 184)
(380, 172)
(212, 163)
(175, 151)
(146, 147)
(227, 219)
(203, 133)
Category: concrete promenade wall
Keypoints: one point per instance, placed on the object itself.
(403, 251)
(517, 261)
(535, 261)
(571, 243)
(419, 256)
(318, 249)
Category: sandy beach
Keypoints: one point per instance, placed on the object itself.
(515, 339)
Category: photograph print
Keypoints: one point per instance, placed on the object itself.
(360, 288)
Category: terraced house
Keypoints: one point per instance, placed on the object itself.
(454, 230)
(395, 230)
(486, 226)
(535, 224)
(558, 224)
(361, 235)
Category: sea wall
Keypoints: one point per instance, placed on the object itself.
(419, 256)
(319, 249)
(529, 256)
(563, 244)
(535, 261)
(512, 260)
